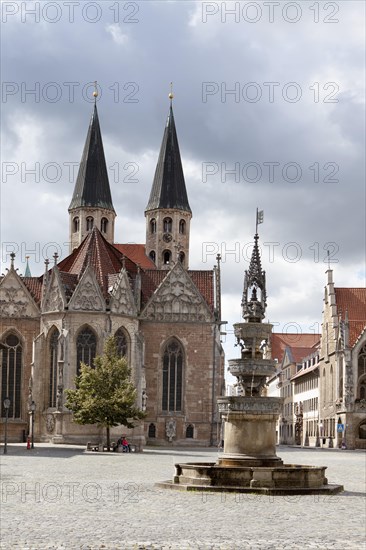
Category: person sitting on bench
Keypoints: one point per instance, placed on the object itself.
(125, 445)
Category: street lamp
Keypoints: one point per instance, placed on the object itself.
(6, 407)
(33, 410)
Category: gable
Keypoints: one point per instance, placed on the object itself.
(87, 295)
(54, 299)
(177, 299)
(15, 299)
(122, 300)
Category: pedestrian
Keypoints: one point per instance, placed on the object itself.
(125, 445)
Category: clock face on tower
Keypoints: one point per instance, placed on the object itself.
(167, 237)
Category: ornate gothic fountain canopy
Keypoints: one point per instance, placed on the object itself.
(254, 293)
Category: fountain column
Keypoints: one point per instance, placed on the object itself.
(250, 418)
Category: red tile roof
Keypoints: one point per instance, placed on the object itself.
(107, 260)
(136, 253)
(280, 341)
(150, 280)
(34, 286)
(352, 300)
(298, 354)
(204, 281)
(96, 251)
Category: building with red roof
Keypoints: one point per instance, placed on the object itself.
(164, 316)
(342, 365)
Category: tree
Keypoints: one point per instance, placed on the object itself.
(104, 394)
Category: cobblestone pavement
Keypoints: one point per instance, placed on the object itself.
(59, 497)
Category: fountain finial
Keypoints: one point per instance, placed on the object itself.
(254, 308)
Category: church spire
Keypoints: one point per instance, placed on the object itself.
(91, 204)
(169, 188)
(168, 213)
(27, 269)
(92, 184)
(254, 305)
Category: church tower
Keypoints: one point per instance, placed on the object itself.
(168, 214)
(91, 204)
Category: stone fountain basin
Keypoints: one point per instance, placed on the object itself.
(285, 479)
(251, 367)
(259, 331)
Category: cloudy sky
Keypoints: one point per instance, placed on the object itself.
(269, 108)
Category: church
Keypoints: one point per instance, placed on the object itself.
(165, 317)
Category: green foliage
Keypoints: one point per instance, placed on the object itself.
(104, 394)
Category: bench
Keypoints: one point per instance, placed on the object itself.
(100, 447)
(94, 446)
(132, 448)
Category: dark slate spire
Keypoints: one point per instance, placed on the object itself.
(92, 184)
(254, 294)
(169, 188)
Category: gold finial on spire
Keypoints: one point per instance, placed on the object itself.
(171, 95)
(95, 93)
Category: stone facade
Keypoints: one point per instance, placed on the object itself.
(323, 382)
(166, 321)
(342, 365)
(166, 238)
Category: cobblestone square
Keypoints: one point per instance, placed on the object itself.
(59, 497)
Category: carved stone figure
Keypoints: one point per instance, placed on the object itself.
(170, 429)
(50, 423)
(59, 398)
(144, 400)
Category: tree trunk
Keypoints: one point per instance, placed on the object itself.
(108, 438)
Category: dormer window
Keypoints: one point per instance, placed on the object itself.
(75, 224)
(89, 223)
(167, 225)
(104, 225)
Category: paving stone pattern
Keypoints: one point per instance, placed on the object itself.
(62, 498)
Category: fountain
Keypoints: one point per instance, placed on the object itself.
(249, 462)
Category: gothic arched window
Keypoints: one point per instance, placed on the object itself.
(121, 342)
(75, 224)
(104, 225)
(152, 255)
(182, 227)
(172, 377)
(86, 347)
(189, 432)
(362, 430)
(153, 226)
(331, 386)
(181, 257)
(362, 388)
(152, 430)
(167, 256)
(362, 362)
(167, 225)
(53, 347)
(89, 223)
(11, 375)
